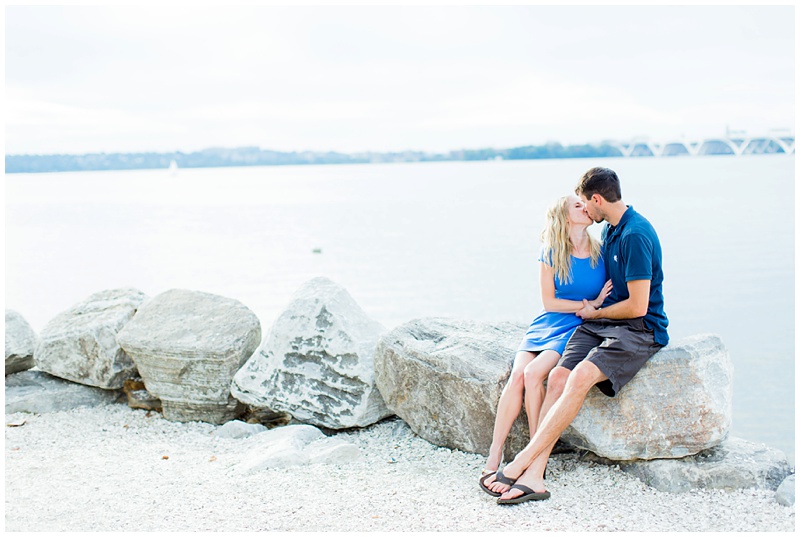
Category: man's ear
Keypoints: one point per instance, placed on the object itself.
(597, 198)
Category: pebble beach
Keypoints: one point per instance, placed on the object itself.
(112, 468)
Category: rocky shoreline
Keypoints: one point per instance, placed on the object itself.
(112, 468)
(324, 383)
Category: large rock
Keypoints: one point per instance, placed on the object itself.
(36, 392)
(733, 464)
(20, 343)
(187, 346)
(444, 377)
(80, 344)
(316, 363)
(678, 404)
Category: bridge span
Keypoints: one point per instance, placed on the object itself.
(722, 145)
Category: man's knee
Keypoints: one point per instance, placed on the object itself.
(585, 375)
(557, 378)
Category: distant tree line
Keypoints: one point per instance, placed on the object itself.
(254, 156)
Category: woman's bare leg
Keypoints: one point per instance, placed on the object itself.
(508, 408)
(535, 373)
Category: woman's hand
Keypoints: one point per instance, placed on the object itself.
(604, 292)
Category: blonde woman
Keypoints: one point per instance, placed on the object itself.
(571, 270)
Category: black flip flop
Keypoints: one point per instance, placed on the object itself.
(486, 489)
(528, 496)
(500, 478)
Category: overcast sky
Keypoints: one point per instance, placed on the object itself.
(90, 79)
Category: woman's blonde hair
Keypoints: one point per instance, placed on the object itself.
(558, 247)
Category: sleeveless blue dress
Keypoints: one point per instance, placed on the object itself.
(551, 330)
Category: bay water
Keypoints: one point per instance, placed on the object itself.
(412, 240)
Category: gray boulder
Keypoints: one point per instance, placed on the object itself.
(785, 493)
(678, 404)
(36, 392)
(187, 346)
(443, 377)
(316, 363)
(20, 343)
(733, 464)
(80, 344)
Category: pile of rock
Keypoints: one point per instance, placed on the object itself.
(327, 364)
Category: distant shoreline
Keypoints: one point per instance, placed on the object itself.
(254, 156)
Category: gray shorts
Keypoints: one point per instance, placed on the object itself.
(619, 348)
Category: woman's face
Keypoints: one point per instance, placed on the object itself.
(576, 213)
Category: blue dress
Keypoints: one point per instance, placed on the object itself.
(551, 330)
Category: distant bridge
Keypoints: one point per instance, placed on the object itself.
(724, 145)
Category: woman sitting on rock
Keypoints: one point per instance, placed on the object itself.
(571, 270)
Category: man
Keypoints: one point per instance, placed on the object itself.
(611, 345)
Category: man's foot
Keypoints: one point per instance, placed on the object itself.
(526, 496)
(536, 485)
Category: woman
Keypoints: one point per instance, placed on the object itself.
(570, 270)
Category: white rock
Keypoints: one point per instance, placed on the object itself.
(21, 343)
(279, 448)
(316, 363)
(36, 392)
(296, 445)
(239, 429)
(734, 464)
(678, 404)
(332, 451)
(785, 493)
(80, 344)
(187, 346)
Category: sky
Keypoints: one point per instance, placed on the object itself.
(84, 79)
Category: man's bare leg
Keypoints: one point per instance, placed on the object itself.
(583, 377)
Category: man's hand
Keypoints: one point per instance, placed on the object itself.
(587, 311)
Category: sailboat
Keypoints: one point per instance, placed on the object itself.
(173, 167)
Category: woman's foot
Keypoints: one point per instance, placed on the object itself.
(493, 462)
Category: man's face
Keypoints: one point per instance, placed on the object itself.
(592, 209)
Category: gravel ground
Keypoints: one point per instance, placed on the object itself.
(111, 468)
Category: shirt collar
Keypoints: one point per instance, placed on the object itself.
(627, 215)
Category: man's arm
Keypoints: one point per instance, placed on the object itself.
(632, 307)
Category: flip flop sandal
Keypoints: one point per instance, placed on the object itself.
(528, 496)
(500, 478)
(486, 489)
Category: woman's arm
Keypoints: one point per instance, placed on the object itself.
(632, 307)
(553, 304)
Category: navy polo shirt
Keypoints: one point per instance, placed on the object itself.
(632, 251)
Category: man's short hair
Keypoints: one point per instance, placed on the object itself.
(600, 181)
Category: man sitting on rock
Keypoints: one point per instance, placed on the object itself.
(613, 343)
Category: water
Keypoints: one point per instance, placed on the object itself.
(422, 239)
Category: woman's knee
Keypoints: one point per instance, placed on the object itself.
(535, 373)
(516, 379)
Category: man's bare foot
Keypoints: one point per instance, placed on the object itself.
(536, 485)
